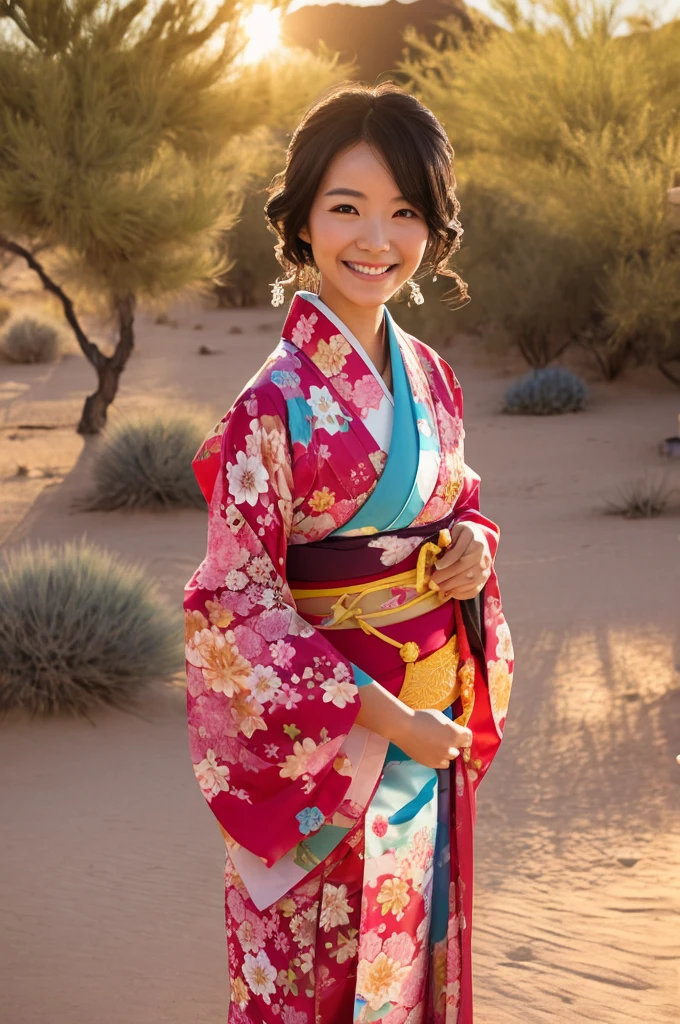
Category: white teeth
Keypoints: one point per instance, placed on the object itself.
(371, 271)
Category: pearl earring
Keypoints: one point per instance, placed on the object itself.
(416, 293)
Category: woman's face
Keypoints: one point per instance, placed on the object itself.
(366, 239)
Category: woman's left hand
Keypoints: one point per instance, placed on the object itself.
(465, 566)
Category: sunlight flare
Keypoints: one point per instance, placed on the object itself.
(262, 26)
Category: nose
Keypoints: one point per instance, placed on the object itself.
(374, 238)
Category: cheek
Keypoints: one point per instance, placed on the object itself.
(414, 241)
(330, 235)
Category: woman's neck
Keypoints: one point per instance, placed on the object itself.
(365, 323)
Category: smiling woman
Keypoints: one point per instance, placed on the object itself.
(262, 26)
(345, 693)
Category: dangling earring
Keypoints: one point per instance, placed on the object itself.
(278, 296)
(416, 293)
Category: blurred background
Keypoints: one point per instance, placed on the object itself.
(137, 142)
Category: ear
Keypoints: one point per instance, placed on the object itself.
(303, 233)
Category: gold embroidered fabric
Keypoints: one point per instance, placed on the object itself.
(432, 682)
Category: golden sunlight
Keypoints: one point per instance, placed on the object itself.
(262, 26)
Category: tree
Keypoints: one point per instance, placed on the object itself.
(113, 122)
(577, 127)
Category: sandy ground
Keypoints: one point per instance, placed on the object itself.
(111, 882)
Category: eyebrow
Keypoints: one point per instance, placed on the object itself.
(359, 195)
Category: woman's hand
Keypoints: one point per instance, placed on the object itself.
(427, 736)
(465, 566)
(433, 739)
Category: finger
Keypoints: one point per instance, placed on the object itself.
(446, 574)
(449, 567)
(461, 593)
(453, 753)
(462, 734)
(465, 573)
(462, 541)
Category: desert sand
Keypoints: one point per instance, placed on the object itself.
(111, 892)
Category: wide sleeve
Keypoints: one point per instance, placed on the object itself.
(269, 700)
(467, 509)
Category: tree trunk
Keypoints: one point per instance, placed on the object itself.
(109, 369)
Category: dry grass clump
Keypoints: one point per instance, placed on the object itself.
(30, 340)
(79, 629)
(641, 498)
(146, 464)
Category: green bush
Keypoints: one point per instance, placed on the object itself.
(546, 392)
(282, 87)
(29, 340)
(249, 244)
(79, 629)
(573, 129)
(146, 464)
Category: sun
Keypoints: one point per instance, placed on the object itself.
(262, 27)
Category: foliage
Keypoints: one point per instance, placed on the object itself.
(28, 340)
(545, 392)
(146, 464)
(291, 82)
(641, 498)
(79, 629)
(573, 129)
(113, 124)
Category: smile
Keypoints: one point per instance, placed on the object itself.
(368, 271)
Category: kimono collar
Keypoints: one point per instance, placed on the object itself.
(408, 477)
(308, 322)
(328, 315)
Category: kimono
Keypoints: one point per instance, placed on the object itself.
(348, 866)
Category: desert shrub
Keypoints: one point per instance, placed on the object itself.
(145, 463)
(79, 629)
(249, 245)
(641, 498)
(573, 127)
(29, 340)
(5, 311)
(545, 392)
(282, 87)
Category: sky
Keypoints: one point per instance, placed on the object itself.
(667, 7)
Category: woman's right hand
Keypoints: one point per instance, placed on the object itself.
(432, 739)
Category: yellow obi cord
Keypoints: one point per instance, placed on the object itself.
(418, 577)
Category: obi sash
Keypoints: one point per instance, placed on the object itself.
(336, 558)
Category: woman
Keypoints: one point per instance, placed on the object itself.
(348, 662)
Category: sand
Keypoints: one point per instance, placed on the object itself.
(111, 892)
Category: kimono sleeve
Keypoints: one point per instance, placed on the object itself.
(269, 700)
(467, 508)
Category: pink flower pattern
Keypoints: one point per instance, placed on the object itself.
(265, 740)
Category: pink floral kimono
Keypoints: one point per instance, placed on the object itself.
(349, 867)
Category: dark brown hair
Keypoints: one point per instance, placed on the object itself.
(414, 146)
